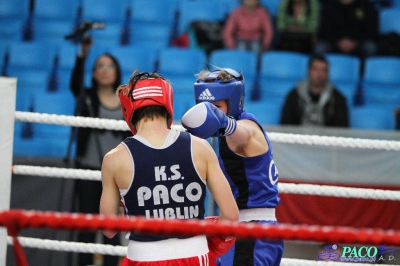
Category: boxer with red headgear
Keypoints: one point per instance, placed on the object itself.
(162, 173)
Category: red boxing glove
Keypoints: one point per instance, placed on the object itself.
(218, 245)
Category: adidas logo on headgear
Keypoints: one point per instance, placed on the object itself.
(206, 96)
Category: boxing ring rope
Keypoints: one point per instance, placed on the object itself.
(110, 124)
(15, 220)
(290, 188)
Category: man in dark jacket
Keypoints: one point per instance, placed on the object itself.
(348, 27)
(315, 101)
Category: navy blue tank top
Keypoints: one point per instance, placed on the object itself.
(253, 180)
(165, 184)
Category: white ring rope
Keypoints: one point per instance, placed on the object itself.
(305, 189)
(121, 251)
(111, 124)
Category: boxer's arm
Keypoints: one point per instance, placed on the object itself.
(110, 198)
(205, 120)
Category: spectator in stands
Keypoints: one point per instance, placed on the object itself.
(315, 101)
(348, 27)
(249, 27)
(92, 144)
(297, 25)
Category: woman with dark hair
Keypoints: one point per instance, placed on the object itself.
(297, 25)
(99, 101)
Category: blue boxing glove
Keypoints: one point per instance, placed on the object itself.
(205, 120)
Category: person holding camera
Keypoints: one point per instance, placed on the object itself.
(98, 101)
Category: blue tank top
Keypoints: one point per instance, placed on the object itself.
(165, 185)
(253, 180)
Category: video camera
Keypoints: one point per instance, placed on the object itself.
(80, 34)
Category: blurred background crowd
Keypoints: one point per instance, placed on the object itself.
(271, 41)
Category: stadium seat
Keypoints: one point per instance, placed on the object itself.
(244, 61)
(180, 66)
(199, 10)
(272, 6)
(344, 73)
(275, 89)
(103, 11)
(382, 70)
(153, 35)
(109, 36)
(11, 29)
(283, 65)
(268, 113)
(28, 55)
(279, 72)
(389, 20)
(12, 9)
(182, 103)
(135, 57)
(344, 68)
(54, 10)
(152, 12)
(372, 117)
(181, 61)
(52, 32)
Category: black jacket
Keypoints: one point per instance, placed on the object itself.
(89, 107)
(358, 21)
(335, 111)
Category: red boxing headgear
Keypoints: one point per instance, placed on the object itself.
(147, 92)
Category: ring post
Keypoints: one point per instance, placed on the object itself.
(8, 89)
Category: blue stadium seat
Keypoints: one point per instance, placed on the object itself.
(272, 6)
(389, 20)
(382, 70)
(344, 68)
(28, 55)
(381, 81)
(199, 10)
(13, 14)
(109, 36)
(344, 72)
(244, 61)
(134, 57)
(283, 65)
(275, 89)
(228, 6)
(12, 9)
(11, 29)
(154, 35)
(378, 94)
(67, 54)
(52, 32)
(56, 10)
(279, 72)
(267, 112)
(372, 117)
(47, 140)
(104, 11)
(181, 61)
(152, 12)
(61, 103)
(182, 103)
(180, 66)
